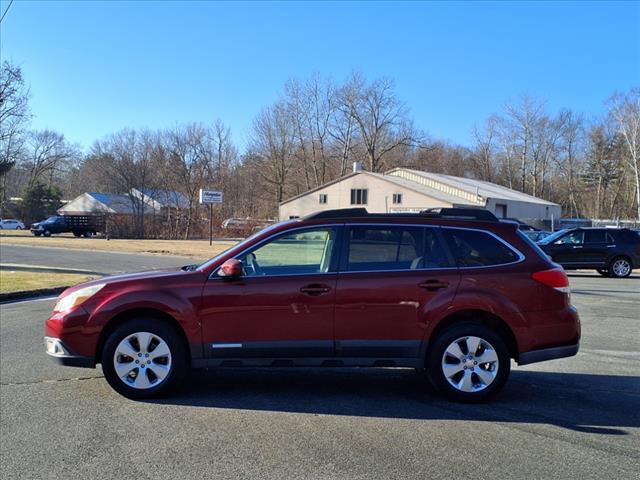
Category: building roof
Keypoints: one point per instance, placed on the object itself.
(165, 198)
(97, 202)
(474, 187)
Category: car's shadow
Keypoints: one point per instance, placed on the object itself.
(633, 276)
(600, 404)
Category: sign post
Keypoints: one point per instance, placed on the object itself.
(210, 197)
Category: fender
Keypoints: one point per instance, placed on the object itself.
(490, 301)
(179, 302)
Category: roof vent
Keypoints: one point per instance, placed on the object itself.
(357, 167)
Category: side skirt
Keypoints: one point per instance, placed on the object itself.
(309, 362)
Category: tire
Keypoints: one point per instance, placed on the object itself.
(18, 228)
(37, 234)
(86, 234)
(620, 267)
(126, 338)
(474, 382)
(76, 234)
(603, 271)
(46, 233)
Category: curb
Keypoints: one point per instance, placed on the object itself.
(42, 268)
(42, 292)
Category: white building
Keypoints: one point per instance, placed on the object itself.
(407, 190)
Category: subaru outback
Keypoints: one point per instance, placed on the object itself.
(452, 291)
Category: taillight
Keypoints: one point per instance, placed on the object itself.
(554, 278)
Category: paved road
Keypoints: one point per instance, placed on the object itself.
(571, 418)
(105, 262)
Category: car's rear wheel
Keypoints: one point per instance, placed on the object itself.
(144, 358)
(620, 267)
(468, 363)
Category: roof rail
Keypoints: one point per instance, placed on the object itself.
(452, 213)
(338, 213)
(462, 213)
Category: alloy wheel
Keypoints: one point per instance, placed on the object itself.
(142, 360)
(470, 364)
(621, 267)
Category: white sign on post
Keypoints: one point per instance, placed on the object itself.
(210, 196)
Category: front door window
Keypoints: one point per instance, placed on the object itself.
(299, 253)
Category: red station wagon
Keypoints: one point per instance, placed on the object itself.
(453, 291)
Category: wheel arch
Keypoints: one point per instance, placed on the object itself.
(122, 317)
(482, 317)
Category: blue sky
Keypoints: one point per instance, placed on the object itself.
(96, 67)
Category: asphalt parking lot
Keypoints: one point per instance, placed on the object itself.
(570, 418)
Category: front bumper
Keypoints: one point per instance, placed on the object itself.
(545, 354)
(64, 356)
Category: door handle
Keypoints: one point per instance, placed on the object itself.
(315, 289)
(611, 246)
(433, 285)
(577, 246)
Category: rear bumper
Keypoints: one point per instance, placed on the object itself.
(60, 353)
(545, 354)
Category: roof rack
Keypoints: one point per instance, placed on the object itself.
(452, 213)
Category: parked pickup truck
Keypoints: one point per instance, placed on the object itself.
(79, 225)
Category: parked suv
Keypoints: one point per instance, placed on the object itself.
(613, 252)
(453, 291)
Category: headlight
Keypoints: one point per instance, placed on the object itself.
(76, 298)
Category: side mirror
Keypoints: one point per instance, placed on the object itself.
(232, 268)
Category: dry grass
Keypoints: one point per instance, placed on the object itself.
(199, 249)
(20, 281)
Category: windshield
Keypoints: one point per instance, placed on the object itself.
(51, 219)
(553, 237)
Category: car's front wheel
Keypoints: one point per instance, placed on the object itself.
(620, 267)
(144, 358)
(468, 363)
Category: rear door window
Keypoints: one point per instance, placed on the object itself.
(595, 236)
(475, 248)
(372, 248)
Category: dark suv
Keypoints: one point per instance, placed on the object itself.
(613, 252)
(454, 291)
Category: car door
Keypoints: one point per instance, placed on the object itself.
(595, 248)
(282, 305)
(390, 277)
(567, 250)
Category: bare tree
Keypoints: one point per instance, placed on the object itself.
(569, 160)
(272, 145)
(625, 109)
(484, 154)
(14, 117)
(46, 154)
(521, 118)
(189, 165)
(382, 120)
